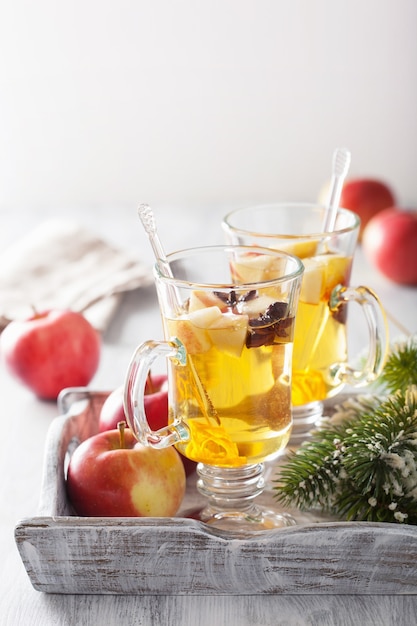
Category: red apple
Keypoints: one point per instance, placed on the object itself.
(366, 197)
(155, 401)
(390, 244)
(111, 475)
(50, 351)
(156, 409)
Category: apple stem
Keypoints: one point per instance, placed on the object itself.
(149, 384)
(121, 427)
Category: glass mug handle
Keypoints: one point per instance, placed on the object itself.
(378, 335)
(134, 391)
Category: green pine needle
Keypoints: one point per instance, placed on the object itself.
(362, 465)
(311, 476)
(400, 369)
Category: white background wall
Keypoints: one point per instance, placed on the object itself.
(106, 103)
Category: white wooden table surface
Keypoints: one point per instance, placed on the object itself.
(25, 422)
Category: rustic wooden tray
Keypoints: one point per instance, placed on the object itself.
(63, 553)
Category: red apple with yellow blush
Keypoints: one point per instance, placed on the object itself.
(390, 244)
(112, 475)
(366, 197)
(156, 409)
(51, 350)
(155, 402)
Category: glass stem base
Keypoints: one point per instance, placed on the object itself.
(231, 495)
(305, 419)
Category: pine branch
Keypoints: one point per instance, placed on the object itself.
(362, 465)
(400, 369)
(311, 476)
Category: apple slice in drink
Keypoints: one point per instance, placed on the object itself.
(191, 329)
(254, 268)
(206, 327)
(337, 270)
(312, 285)
(228, 333)
(321, 274)
(255, 307)
(205, 299)
(302, 249)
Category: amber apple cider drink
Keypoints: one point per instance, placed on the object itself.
(321, 337)
(320, 360)
(234, 392)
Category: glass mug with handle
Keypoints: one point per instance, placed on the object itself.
(321, 365)
(228, 316)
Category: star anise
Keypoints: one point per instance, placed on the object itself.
(231, 299)
(275, 322)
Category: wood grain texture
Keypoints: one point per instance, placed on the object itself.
(66, 554)
(270, 610)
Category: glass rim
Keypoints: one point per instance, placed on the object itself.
(291, 236)
(163, 275)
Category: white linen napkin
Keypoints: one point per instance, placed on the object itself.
(62, 265)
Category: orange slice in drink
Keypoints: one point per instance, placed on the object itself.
(212, 445)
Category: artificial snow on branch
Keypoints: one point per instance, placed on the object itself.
(361, 464)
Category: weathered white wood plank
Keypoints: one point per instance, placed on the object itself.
(75, 555)
(85, 610)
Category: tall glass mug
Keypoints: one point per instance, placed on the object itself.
(320, 359)
(228, 315)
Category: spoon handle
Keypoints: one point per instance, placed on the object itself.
(341, 162)
(148, 220)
